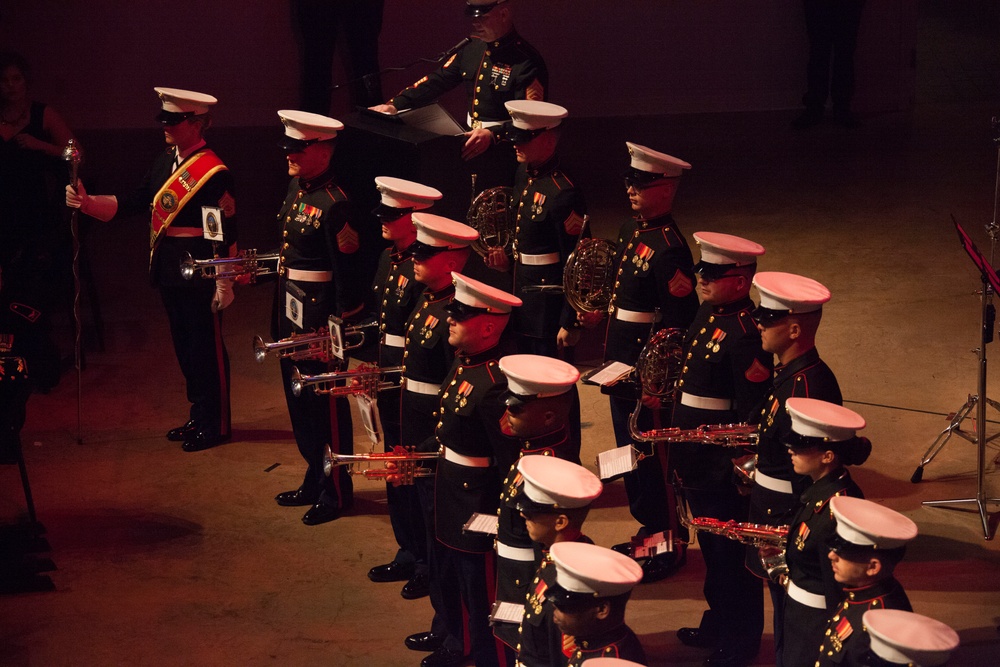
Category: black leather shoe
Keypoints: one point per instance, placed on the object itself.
(390, 572)
(181, 433)
(199, 440)
(624, 548)
(424, 641)
(729, 657)
(294, 498)
(658, 568)
(697, 638)
(417, 587)
(443, 657)
(320, 513)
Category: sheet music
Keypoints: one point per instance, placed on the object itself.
(368, 409)
(506, 612)
(654, 545)
(431, 118)
(608, 373)
(481, 523)
(616, 462)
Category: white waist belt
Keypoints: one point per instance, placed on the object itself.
(392, 340)
(636, 316)
(515, 553)
(705, 403)
(803, 596)
(772, 483)
(421, 387)
(539, 260)
(467, 461)
(309, 276)
(183, 232)
(470, 121)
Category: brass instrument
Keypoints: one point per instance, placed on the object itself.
(492, 215)
(296, 347)
(318, 344)
(365, 380)
(589, 275)
(657, 370)
(722, 435)
(400, 466)
(246, 263)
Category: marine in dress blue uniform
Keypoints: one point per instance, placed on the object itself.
(724, 377)
(494, 66)
(475, 454)
(873, 538)
(788, 318)
(590, 595)
(554, 497)
(190, 192)
(654, 287)
(317, 278)
(822, 443)
(540, 406)
(396, 293)
(441, 247)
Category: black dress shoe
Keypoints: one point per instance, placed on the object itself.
(658, 568)
(390, 572)
(295, 498)
(320, 513)
(624, 548)
(424, 641)
(443, 657)
(697, 637)
(199, 440)
(417, 587)
(181, 433)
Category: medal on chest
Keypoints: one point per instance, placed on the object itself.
(643, 254)
(463, 393)
(840, 633)
(717, 337)
(427, 330)
(537, 203)
(309, 215)
(401, 283)
(537, 597)
(500, 75)
(802, 536)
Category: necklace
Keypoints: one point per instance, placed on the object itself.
(16, 120)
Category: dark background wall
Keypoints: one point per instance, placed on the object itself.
(97, 61)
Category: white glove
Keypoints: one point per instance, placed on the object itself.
(102, 207)
(224, 294)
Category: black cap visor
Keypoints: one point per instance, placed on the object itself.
(568, 600)
(768, 316)
(644, 179)
(390, 213)
(173, 117)
(422, 251)
(475, 11)
(460, 312)
(292, 145)
(712, 272)
(518, 135)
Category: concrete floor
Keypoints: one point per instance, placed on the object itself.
(168, 558)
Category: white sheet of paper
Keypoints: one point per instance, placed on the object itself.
(615, 462)
(481, 523)
(506, 612)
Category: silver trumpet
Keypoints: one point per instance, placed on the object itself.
(297, 347)
(246, 263)
(365, 380)
(399, 467)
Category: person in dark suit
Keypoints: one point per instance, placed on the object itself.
(190, 192)
(592, 588)
(788, 318)
(724, 377)
(550, 214)
(318, 277)
(870, 541)
(822, 444)
(654, 288)
(396, 293)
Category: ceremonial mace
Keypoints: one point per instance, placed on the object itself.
(71, 154)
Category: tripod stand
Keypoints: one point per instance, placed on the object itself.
(991, 283)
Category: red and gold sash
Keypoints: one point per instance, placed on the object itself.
(184, 183)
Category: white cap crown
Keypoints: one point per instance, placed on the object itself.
(562, 484)
(400, 193)
(868, 524)
(820, 419)
(590, 569)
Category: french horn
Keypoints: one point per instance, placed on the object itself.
(589, 275)
(492, 215)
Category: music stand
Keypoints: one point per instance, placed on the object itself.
(991, 284)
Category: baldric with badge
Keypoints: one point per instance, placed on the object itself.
(550, 215)
(655, 268)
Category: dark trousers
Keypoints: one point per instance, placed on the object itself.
(197, 336)
(832, 28)
(405, 515)
(425, 495)
(320, 24)
(649, 500)
(802, 633)
(468, 595)
(315, 427)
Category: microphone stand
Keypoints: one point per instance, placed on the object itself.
(71, 154)
(980, 400)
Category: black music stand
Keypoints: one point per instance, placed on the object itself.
(991, 284)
